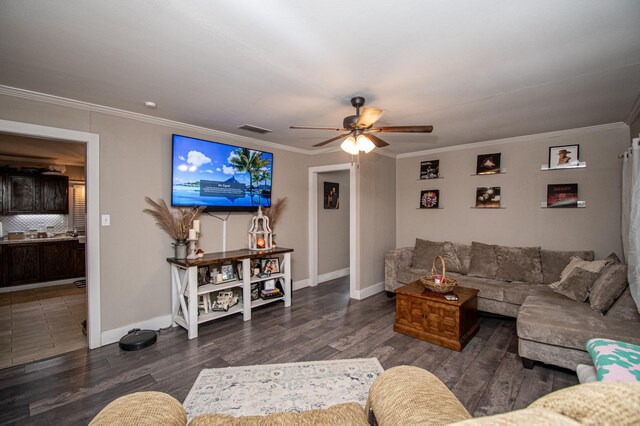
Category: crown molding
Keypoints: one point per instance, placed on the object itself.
(87, 106)
(635, 111)
(516, 139)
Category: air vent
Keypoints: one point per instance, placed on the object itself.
(255, 129)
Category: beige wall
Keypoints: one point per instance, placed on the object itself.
(635, 127)
(135, 160)
(333, 225)
(524, 186)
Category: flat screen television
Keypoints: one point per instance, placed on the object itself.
(219, 176)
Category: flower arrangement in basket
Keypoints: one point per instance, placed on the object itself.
(439, 282)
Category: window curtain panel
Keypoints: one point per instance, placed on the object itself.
(631, 216)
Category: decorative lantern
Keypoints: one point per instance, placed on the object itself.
(260, 236)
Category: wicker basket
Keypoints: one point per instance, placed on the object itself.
(446, 283)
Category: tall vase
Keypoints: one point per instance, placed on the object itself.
(181, 249)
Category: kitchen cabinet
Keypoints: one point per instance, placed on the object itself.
(41, 261)
(22, 194)
(23, 263)
(54, 194)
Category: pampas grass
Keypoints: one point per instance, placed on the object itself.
(177, 221)
(275, 211)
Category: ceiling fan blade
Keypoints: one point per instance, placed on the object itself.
(368, 116)
(331, 140)
(403, 129)
(376, 140)
(317, 128)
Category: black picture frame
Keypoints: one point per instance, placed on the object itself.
(563, 195)
(488, 197)
(270, 265)
(239, 270)
(429, 169)
(488, 164)
(564, 156)
(228, 272)
(331, 195)
(430, 199)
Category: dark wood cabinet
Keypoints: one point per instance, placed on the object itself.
(22, 194)
(23, 263)
(1, 194)
(55, 260)
(26, 263)
(54, 194)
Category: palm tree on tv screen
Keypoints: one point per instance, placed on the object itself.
(247, 160)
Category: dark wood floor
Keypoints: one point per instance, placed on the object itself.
(323, 323)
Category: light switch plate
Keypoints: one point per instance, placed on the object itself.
(106, 220)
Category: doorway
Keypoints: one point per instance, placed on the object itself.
(91, 142)
(315, 195)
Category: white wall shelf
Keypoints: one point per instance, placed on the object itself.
(502, 172)
(581, 204)
(431, 208)
(427, 180)
(488, 208)
(581, 165)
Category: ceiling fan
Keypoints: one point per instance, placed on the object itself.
(360, 136)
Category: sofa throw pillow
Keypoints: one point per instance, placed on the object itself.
(608, 287)
(577, 285)
(615, 361)
(484, 262)
(519, 264)
(612, 258)
(595, 266)
(456, 257)
(424, 252)
(554, 262)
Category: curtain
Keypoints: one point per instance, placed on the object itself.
(631, 216)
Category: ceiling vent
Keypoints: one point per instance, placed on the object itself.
(255, 129)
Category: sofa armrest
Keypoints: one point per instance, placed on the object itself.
(142, 408)
(394, 261)
(408, 395)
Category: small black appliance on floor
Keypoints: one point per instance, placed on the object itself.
(138, 339)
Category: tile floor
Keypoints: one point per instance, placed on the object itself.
(40, 323)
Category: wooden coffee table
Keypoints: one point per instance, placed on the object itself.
(427, 315)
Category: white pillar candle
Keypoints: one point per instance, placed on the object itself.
(192, 234)
(196, 225)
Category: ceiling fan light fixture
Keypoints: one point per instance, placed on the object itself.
(349, 145)
(364, 144)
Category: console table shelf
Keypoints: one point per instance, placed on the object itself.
(185, 289)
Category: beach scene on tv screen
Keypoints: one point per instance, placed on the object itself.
(213, 174)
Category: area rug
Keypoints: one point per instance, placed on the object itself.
(271, 388)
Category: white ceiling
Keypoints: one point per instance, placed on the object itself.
(476, 70)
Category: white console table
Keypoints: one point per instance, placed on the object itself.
(185, 290)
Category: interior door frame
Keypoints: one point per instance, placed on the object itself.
(92, 171)
(313, 224)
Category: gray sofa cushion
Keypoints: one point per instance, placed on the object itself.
(501, 291)
(424, 253)
(519, 264)
(488, 288)
(484, 262)
(624, 308)
(554, 262)
(410, 275)
(517, 292)
(457, 257)
(608, 287)
(577, 284)
(563, 322)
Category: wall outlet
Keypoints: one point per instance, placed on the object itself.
(106, 220)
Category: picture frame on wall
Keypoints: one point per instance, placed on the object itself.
(563, 195)
(564, 156)
(430, 199)
(430, 169)
(331, 195)
(488, 164)
(488, 197)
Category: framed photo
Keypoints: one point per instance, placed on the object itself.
(430, 199)
(228, 273)
(488, 164)
(269, 284)
(562, 195)
(564, 156)
(239, 270)
(270, 265)
(255, 291)
(331, 195)
(488, 197)
(430, 169)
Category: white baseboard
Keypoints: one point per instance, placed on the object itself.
(297, 285)
(369, 291)
(114, 335)
(38, 285)
(333, 275)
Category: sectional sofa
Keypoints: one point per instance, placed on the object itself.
(515, 282)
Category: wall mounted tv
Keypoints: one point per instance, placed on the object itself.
(219, 176)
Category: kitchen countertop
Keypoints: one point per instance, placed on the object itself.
(80, 239)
